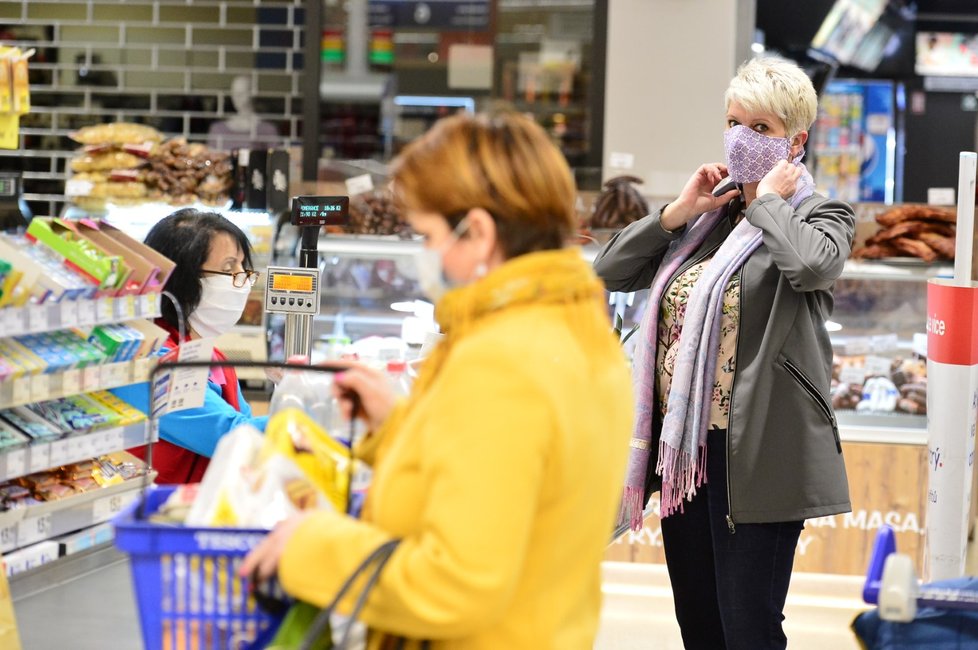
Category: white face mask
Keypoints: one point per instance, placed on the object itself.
(431, 268)
(221, 305)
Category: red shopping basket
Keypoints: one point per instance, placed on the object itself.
(188, 591)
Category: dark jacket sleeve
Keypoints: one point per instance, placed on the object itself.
(629, 260)
(809, 245)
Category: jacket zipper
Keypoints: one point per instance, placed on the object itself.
(809, 387)
(733, 385)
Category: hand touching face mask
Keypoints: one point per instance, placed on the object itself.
(221, 305)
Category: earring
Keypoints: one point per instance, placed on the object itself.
(481, 270)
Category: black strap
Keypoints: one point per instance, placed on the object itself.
(378, 558)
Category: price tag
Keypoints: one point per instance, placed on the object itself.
(16, 463)
(877, 366)
(40, 457)
(859, 345)
(69, 313)
(60, 453)
(41, 387)
(37, 318)
(107, 507)
(112, 440)
(33, 529)
(852, 375)
(91, 378)
(86, 312)
(17, 321)
(359, 184)
(127, 307)
(8, 538)
(22, 390)
(115, 374)
(79, 448)
(885, 343)
(140, 369)
(71, 382)
(151, 305)
(105, 310)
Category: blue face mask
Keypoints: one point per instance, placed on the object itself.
(431, 269)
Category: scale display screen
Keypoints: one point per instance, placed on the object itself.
(283, 282)
(320, 210)
(292, 290)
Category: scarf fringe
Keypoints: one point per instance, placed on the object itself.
(681, 476)
(631, 508)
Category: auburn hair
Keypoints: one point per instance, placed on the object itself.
(504, 163)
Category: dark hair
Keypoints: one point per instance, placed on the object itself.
(185, 237)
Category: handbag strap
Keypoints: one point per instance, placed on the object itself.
(377, 558)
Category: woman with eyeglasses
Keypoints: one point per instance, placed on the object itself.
(211, 283)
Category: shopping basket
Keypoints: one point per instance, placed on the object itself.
(188, 591)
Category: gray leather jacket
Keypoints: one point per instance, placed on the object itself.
(784, 454)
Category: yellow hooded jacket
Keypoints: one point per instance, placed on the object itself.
(501, 474)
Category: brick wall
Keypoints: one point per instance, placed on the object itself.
(167, 63)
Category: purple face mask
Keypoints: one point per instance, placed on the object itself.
(751, 155)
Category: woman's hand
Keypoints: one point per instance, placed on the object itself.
(781, 180)
(366, 389)
(263, 560)
(697, 196)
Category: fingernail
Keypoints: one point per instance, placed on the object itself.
(340, 376)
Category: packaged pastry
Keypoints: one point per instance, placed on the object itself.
(38, 480)
(54, 492)
(116, 133)
(13, 492)
(83, 484)
(80, 470)
(105, 161)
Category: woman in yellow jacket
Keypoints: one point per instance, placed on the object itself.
(501, 472)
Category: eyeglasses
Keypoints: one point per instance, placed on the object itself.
(240, 278)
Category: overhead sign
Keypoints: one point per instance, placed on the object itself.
(440, 14)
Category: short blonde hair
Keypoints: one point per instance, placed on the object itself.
(504, 163)
(771, 84)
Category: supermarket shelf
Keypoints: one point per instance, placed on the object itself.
(39, 388)
(908, 270)
(35, 319)
(891, 428)
(25, 526)
(40, 456)
(366, 246)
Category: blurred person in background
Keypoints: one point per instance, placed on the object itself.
(501, 472)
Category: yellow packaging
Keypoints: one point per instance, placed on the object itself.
(322, 459)
(21, 86)
(6, 88)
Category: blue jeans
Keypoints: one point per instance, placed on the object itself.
(729, 588)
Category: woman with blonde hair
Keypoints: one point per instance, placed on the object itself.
(733, 421)
(501, 473)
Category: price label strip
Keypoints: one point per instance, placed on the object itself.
(106, 310)
(16, 463)
(33, 529)
(86, 312)
(107, 507)
(8, 538)
(37, 318)
(40, 457)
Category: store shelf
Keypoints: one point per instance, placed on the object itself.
(39, 456)
(35, 319)
(39, 388)
(906, 270)
(24, 526)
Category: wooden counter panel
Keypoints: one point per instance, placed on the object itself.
(887, 484)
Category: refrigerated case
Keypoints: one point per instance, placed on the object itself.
(857, 141)
(877, 332)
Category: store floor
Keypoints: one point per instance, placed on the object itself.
(96, 610)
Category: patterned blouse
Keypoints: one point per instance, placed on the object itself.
(671, 315)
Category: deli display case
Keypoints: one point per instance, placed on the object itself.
(879, 386)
